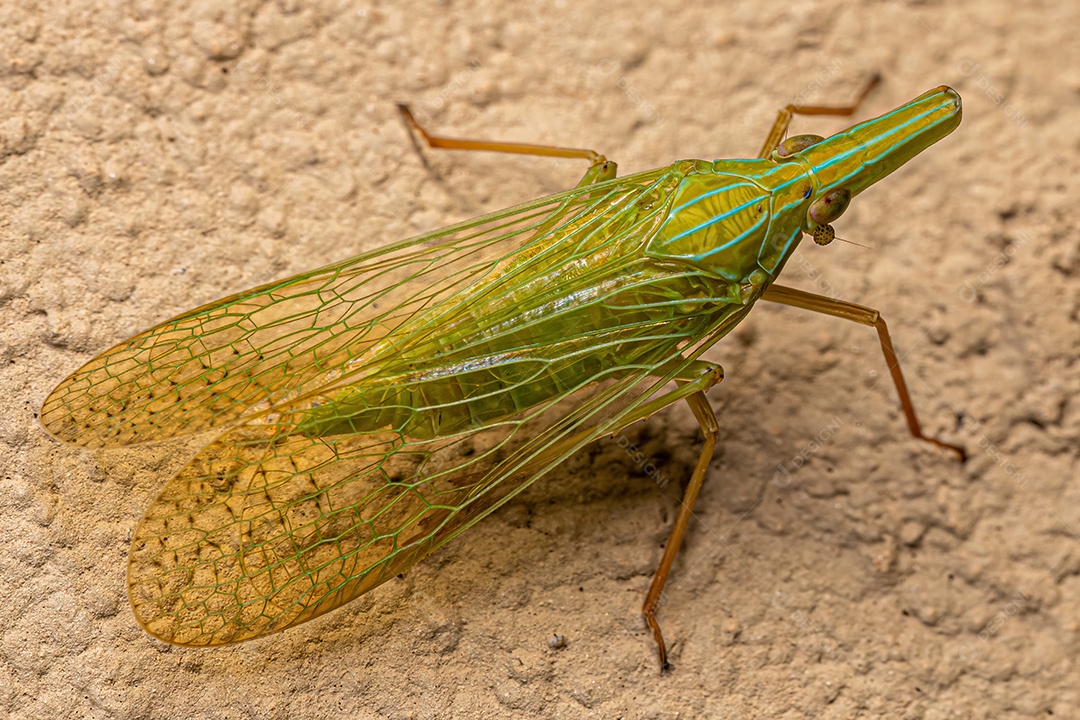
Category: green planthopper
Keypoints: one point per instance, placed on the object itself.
(367, 412)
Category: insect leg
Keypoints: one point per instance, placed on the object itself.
(697, 378)
(783, 119)
(865, 316)
(600, 168)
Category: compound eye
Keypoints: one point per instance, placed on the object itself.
(829, 206)
(796, 143)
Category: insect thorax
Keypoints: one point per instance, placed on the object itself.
(735, 219)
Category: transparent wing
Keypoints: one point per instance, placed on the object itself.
(269, 527)
(380, 406)
(258, 349)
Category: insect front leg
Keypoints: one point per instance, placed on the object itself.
(865, 316)
(783, 119)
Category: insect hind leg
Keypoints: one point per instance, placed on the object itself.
(600, 168)
(694, 381)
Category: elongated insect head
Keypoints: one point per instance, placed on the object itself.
(858, 157)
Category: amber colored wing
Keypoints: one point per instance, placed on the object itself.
(268, 528)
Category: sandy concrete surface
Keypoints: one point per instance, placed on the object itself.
(155, 156)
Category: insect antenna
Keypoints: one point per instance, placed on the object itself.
(852, 242)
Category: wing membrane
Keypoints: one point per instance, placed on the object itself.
(258, 349)
(268, 528)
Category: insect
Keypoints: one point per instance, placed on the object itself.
(368, 411)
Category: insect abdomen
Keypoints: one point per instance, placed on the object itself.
(495, 375)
